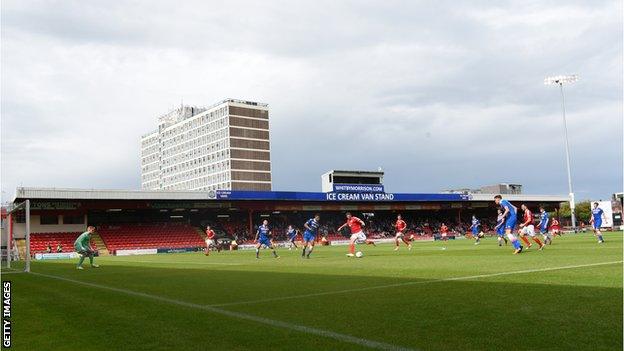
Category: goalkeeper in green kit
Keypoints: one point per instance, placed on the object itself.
(82, 245)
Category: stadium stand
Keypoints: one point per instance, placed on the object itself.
(39, 241)
(183, 235)
(232, 228)
(378, 227)
(149, 236)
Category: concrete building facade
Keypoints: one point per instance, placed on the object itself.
(222, 147)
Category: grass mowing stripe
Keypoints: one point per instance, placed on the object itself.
(271, 322)
(180, 262)
(9, 269)
(415, 283)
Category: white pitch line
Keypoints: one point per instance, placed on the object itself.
(248, 317)
(412, 283)
(179, 262)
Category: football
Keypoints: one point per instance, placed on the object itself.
(359, 254)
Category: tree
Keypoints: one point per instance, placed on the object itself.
(582, 210)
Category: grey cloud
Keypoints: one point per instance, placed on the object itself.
(440, 94)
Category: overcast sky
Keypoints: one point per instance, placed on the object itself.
(440, 94)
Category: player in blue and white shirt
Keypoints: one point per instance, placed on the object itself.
(543, 226)
(510, 212)
(309, 235)
(500, 227)
(263, 237)
(597, 215)
(292, 236)
(475, 229)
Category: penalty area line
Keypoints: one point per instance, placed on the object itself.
(378, 345)
(375, 287)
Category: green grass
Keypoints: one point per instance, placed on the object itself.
(574, 308)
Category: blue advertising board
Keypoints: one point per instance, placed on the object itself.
(336, 196)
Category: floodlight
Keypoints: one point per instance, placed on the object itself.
(561, 79)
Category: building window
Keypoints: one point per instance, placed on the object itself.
(73, 219)
(19, 217)
(49, 219)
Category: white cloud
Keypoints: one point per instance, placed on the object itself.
(439, 94)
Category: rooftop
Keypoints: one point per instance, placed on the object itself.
(23, 193)
(180, 113)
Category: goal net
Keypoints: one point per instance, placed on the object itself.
(15, 251)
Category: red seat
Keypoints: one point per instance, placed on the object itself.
(150, 236)
(39, 241)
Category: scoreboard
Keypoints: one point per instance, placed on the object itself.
(352, 181)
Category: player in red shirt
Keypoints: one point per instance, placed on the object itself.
(527, 228)
(210, 240)
(555, 228)
(357, 235)
(444, 233)
(401, 226)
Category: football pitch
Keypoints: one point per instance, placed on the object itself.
(467, 297)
